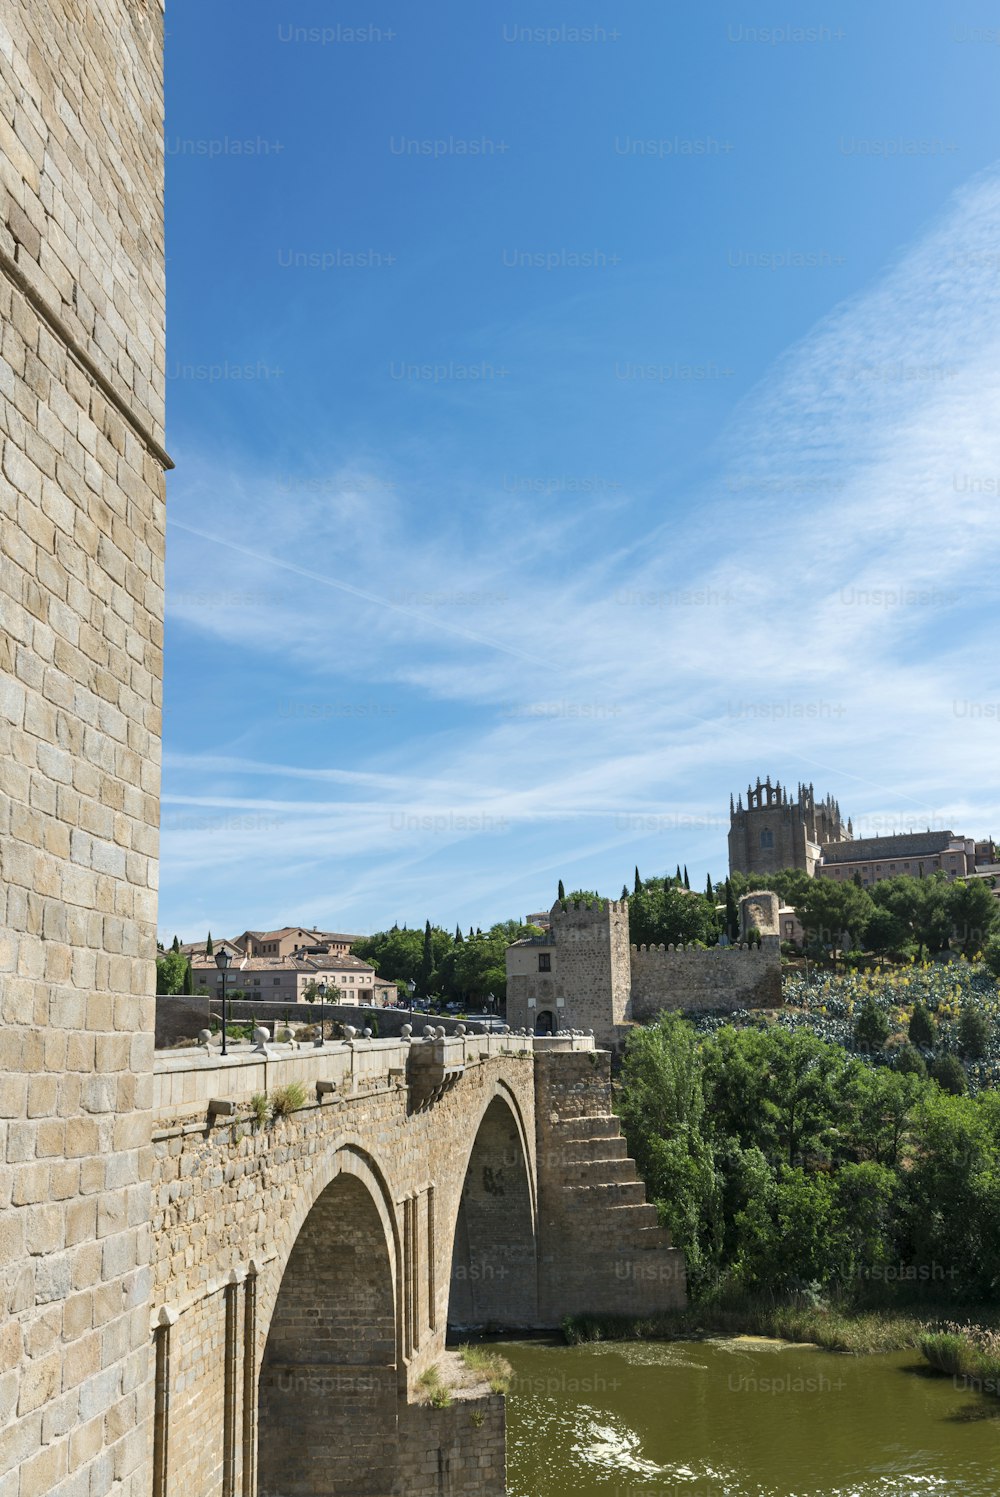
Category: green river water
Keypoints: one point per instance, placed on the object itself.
(742, 1418)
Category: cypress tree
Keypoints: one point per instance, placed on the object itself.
(209, 948)
(677, 875)
(709, 891)
(187, 987)
(175, 944)
(562, 890)
(426, 963)
(687, 881)
(732, 913)
(638, 881)
(624, 893)
(459, 938)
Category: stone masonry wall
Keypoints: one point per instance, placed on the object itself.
(230, 1200)
(81, 606)
(724, 978)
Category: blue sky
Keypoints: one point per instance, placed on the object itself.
(577, 413)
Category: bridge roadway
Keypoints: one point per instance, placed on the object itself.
(307, 1270)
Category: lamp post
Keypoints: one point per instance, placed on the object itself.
(411, 988)
(321, 990)
(223, 957)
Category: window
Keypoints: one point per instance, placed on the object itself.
(277, 982)
(766, 838)
(544, 961)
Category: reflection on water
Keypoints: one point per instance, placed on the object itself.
(742, 1417)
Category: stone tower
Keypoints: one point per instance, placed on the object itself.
(81, 609)
(773, 832)
(577, 976)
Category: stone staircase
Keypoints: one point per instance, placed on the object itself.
(591, 1156)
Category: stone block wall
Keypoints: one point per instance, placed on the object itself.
(724, 978)
(81, 607)
(453, 1452)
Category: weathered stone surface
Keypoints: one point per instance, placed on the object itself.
(81, 574)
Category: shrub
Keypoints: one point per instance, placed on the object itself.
(871, 1028)
(921, 1029)
(949, 1073)
(973, 1032)
(286, 1099)
(260, 1109)
(910, 1061)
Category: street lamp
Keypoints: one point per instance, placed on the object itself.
(321, 990)
(223, 958)
(411, 988)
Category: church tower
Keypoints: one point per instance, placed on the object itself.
(773, 832)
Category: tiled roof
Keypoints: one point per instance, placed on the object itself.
(901, 845)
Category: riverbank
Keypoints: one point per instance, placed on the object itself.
(857, 1332)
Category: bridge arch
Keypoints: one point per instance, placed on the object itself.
(328, 1381)
(494, 1265)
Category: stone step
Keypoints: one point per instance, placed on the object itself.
(650, 1239)
(593, 1125)
(631, 1217)
(599, 1171)
(625, 1193)
(578, 1150)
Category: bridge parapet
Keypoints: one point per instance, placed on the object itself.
(187, 1081)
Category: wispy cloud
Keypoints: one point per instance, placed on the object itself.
(817, 608)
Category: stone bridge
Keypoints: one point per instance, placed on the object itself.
(307, 1270)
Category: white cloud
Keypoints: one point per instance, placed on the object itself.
(834, 626)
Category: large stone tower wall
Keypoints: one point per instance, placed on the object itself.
(774, 831)
(81, 608)
(593, 966)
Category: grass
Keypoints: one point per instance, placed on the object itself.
(438, 1395)
(970, 1352)
(858, 1332)
(260, 1109)
(286, 1099)
(489, 1365)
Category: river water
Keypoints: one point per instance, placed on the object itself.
(742, 1418)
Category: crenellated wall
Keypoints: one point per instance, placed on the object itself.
(692, 978)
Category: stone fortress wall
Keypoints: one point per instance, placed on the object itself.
(583, 973)
(81, 606)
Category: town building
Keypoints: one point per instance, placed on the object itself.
(913, 854)
(287, 979)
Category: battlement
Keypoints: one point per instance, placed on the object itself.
(595, 908)
(681, 949)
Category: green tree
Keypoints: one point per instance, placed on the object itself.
(209, 948)
(175, 944)
(187, 986)
(584, 896)
(975, 914)
(921, 1029)
(637, 886)
(871, 1027)
(910, 1062)
(949, 1073)
(562, 890)
(170, 972)
(663, 912)
(709, 891)
(991, 955)
(687, 881)
(834, 915)
(973, 1032)
(425, 975)
(732, 912)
